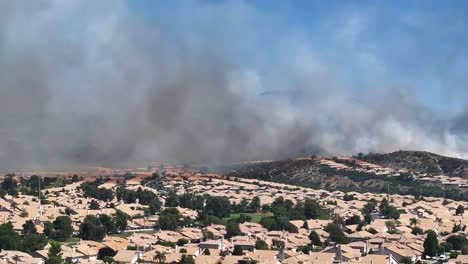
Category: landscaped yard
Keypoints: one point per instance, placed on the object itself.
(255, 217)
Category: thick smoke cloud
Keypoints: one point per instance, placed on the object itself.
(85, 83)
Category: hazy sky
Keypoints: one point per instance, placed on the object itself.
(115, 82)
(420, 46)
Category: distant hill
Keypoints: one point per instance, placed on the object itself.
(398, 172)
(420, 162)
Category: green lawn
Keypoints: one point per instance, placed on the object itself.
(71, 241)
(255, 217)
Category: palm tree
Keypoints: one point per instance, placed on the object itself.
(160, 257)
(414, 222)
(16, 258)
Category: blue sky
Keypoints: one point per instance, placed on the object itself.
(416, 46)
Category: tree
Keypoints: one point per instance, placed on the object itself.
(155, 206)
(261, 244)
(10, 185)
(417, 230)
(460, 210)
(186, 260)
(160, 257)
(94, 205)
(172, 199)
(384, 206)
(336, 234)
(393, 213)
(9, 238)
(305, 225)
(313, 210)
(218, 206)
(182, 241)
(353, 220)
(54, 256)
(315, 239)
(108, 223)
(34, 242)
(75, 178)
(168, 221)
(277, 244)
(391, 226)
(446, 246)
(120, 219)
(369, 207)
(232, 229)
(458, 241)
(431, 244)
(92, 229)
(406, 260)
(367, 218)
(372, 231)
(255, 204)
(62, 228)
(306, 249)
(29, 228)
(414, 221)
(237, 250)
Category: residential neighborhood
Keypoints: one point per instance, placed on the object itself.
(178, 215)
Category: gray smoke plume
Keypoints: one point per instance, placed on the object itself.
(88, 83)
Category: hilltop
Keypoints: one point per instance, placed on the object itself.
(420, 162)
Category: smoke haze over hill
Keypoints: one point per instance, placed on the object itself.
(97, 83)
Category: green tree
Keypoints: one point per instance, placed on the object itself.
(54, 256)
(155, 206)
(62, 228)
(182, 241)
(391, 226)
(186, 260)
(393, 213)
(29, 228)
(460, 210)
(306, 249)
(353, 220)
(121, 220)
(10, 185)
(172, 199)
(336, 234)
(75, 178)
(406, 260)
(261, 244)
(232, 229)
(160, 257)
(169, 219)
(384, 206)
(255, 204)
(277, 244)
(313, 210)
(414, 221)
(108, 223)
(34, 242)
(218, 206)
(458, 241)
(315, 239)
(237, 250)
(431, 244)
(9, 238)
(446, 246)
(92, 229)
(94, 205)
